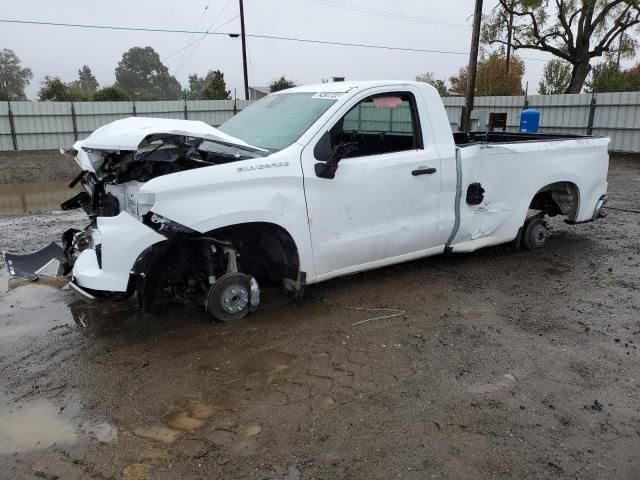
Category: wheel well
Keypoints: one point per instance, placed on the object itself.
(266, 250)
(559, 198)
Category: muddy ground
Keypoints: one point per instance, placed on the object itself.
(502, 364)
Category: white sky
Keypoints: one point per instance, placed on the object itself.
(62, 51)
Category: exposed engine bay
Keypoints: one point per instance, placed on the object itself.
(114, 185)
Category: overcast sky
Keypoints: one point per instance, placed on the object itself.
(62, 51)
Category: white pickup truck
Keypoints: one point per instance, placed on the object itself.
(309, 184)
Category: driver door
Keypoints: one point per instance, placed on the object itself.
(382, 205)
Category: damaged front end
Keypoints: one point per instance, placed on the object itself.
(195, 268)
(126, 248)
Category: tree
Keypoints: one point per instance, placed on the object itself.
(281, 83)
(13, 77)
(606, 77)
(215, 87)
(141, 75)
(211, 87)
(87, 79)
(86, 85)
(196, 87)
(573, 30)
(55, 90)
(555, 78)
(492, 77)
(632, 78)
(438, 84)
(110, 94)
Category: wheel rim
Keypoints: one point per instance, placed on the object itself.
(235, 299)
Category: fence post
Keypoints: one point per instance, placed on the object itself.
(186, 115)
(135, 113)
(461, 118)
(74, 122)
(12, 125)
(592, 114)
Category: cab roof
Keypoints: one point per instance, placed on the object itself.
(342, 87)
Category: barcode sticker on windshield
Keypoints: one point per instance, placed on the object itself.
(328, 95)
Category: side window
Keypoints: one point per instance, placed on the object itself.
(379, 124)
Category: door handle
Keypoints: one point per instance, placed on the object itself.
(423, 171)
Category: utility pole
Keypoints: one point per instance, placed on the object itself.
(465, 124)
(244, 52)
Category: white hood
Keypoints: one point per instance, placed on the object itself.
(127, 135)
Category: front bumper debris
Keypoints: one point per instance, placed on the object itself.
(50, 261)
(81, 292)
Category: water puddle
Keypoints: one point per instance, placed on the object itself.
(19, 198)
(33, 425)
(31, 310)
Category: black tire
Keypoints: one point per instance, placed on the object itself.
(535, 233)
(229, 298)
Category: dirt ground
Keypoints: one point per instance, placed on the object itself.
(497, 364)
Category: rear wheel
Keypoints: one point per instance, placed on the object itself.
(229, 298)
(535, 233)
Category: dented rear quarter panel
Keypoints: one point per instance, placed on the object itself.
(513, 173)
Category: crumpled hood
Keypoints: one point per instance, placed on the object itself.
(127, 135)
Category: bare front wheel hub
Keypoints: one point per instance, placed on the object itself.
(235, 299)
(229, 298)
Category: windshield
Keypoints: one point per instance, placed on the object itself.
(276, 121)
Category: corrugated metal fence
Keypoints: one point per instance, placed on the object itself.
(50, 125)
(47, 125)
(614, 115)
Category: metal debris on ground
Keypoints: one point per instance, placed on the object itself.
(396, 313)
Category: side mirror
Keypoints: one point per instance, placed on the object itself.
(323, 149)
(329, 156)
(325, 154)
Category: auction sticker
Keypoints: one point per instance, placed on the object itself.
(329, 95)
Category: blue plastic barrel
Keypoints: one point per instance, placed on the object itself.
(530, 120)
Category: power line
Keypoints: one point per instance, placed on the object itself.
(362, 45)
(197, 40)
(106, 27)
(252, 35)
(202, 38)
(197, 26)
(383, 13)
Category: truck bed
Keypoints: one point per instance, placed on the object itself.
(465, 139)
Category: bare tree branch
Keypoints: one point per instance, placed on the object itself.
(567, 27)
(605, 10)
(619, 26)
